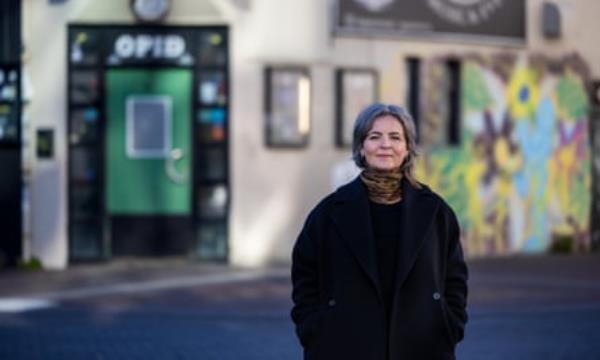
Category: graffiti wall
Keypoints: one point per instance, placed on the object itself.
(521, 176)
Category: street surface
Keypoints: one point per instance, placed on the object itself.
(520, 308)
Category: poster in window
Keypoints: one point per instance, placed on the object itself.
(84, 87)
(212, 89)
(288, 107)
(212, 125)
(356, 90)
(212, 48)
(83, 48)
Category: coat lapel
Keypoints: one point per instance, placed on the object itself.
(352, 219)
(418, 211)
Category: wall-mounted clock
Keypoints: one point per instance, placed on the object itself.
(150, 10)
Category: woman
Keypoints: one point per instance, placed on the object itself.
(377, 270)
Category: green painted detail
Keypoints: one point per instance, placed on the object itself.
(141, 186)
(452, 168)
(572, 98)
(581, 202)
(475, 93)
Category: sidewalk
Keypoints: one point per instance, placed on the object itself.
(488, 279)
(120, 275)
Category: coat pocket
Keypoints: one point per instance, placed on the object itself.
(317, 331)
(307, 330)
(448, 326)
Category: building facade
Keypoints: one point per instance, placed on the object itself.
(212, 131)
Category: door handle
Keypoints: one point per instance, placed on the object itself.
(174, 175)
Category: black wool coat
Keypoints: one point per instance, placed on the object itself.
(338, 308)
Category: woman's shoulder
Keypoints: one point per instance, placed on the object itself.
(324, 207)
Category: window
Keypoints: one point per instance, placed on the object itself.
(413, 91)
(148, 126)
(212, 90)
(212, 201)
(453, 98)
(211, 164)
(212, 239)
(84, 87)
(84, 125)
(10, 104)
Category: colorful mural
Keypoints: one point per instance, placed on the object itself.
(521, 175)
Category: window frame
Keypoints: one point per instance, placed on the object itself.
(269, 106)
(342, 99)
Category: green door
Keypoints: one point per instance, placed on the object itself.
(148, 158)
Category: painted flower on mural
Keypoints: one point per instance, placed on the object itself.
(570, 175)
(523, 93)
(536, 142)
(571, 97)
(475, 93)
(445, 172)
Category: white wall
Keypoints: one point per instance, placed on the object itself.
(45, 39)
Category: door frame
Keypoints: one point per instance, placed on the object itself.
(87, 216)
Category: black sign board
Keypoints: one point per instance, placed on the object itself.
(146, 45)
(500, 20)
(131, 46)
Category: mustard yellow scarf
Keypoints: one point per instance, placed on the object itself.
(383, 186)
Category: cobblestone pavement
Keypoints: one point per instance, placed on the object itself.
(520, 308)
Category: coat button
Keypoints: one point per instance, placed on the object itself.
(436, 296)
(331, 302)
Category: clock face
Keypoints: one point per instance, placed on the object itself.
(150, 10)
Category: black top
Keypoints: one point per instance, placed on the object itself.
(386, 233)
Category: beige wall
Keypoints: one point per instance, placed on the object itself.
(272, 189)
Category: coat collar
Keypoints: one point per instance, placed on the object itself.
(352, 218)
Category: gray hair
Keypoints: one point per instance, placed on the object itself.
(364, 123)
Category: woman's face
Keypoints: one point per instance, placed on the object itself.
(385, 147)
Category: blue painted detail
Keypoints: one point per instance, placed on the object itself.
(524, 93)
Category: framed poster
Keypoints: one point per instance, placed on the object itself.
(287, 106)
(355, 89)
